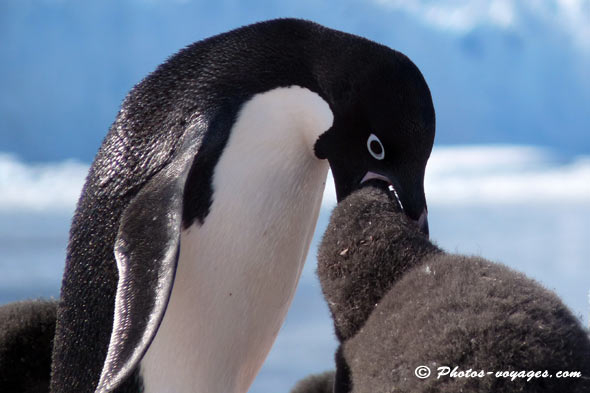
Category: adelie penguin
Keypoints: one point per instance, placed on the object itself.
(400, 304)
(198, 210)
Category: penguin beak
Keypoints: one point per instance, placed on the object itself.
(406, 184)
(410, 197)
(421, 221)
(372, 175)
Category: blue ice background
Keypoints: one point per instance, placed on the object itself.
(501, 72)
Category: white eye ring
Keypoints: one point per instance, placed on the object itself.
(375, 147)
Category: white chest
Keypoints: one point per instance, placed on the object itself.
(237, 273)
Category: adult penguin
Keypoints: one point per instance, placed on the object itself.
(197, 213)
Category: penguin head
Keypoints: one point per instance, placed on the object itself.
(383, 129)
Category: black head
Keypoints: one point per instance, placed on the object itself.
(383, 129)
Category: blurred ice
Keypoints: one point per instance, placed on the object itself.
(39, 187)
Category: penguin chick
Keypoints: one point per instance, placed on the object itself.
(399, 303)
(365, 230)
(316, 383)
(26, 338)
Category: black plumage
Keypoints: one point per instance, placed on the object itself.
(26, 338)
(152, 177)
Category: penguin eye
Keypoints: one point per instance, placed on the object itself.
(375, 147)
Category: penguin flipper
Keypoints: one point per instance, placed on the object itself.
(146, 251)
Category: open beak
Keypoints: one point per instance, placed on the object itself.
(421, 221)
(406, 184)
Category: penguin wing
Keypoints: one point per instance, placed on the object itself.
(146, 250)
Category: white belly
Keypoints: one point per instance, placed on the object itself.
(237, 273)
